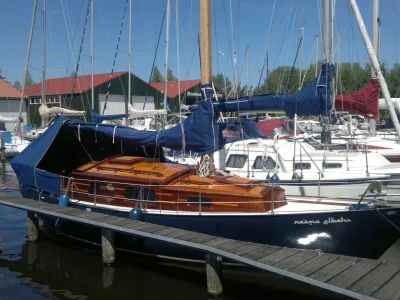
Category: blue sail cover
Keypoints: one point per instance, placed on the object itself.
(314, 99)
(99, 118)
(68, 144)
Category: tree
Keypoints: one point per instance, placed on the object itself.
(222, 84)
(73, 74)
(29, 81)
(17, 85)
(170, 75)
(157, 76)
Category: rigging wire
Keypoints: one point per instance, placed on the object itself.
(266, 43)
(154, 59)
(80, 52)
(75, 31)
(71, 54)
(291, 23)
(115, 57)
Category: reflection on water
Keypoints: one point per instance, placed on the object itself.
(53, 269)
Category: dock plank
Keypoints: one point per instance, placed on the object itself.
(203, 239)
(353, 274)
(334, 268)
(314, 264)
(153, 229)
(278, 256)
(390, 290)
(190, 236)
(116, 221)
(246, 248)
(375, 279)
(216, 242)
(64, 210)
(230, 245)
(262, 252)
(97, 217)
(112, 219)
(295, 260)
(138, 225)
(166, 231)
(177, 234)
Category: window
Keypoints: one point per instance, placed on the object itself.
(195, 201)
(102, 189)
(261, 163)
(302, 166)
(34, 101)
(326, 165)
(236, 161)
(138, 193)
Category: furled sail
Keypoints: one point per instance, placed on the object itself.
(98, 119)
(8, 119)
(48, 112)
(313, 99)
(134, 113)
(365, 102)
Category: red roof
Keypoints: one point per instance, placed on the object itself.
(8, 91)
(173, 87)
(60, 86)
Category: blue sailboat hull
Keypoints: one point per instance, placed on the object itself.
(364, 233)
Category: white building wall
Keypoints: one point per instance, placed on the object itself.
(10, 109)
(116, 103)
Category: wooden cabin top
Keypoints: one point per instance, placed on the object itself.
(118, 178)
(130, 168)
(169, 176)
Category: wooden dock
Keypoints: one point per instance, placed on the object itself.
(346, 276)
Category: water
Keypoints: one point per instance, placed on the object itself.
(52, 268)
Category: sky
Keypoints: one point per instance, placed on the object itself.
(236, 25)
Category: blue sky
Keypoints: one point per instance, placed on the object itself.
(250, 19)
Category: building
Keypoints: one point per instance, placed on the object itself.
(59, 93)
(10, 99)
(189, 90)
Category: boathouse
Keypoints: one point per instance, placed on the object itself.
(10, 99)
(60, 92)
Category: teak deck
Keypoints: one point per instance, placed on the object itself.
(348, 276)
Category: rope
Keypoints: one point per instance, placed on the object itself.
(387, 219)
(154, 61)
(80, 51)
(115, 57)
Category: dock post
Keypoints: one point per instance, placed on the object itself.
(108, 246)
(3, 149)
(213, 270)
(33, 227)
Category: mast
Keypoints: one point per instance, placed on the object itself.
(178, 57)
(166, 60)
(316, 56)
(247, 70)
(325, 32)
(27, 62)
(332, 49)
(129, 62)
(375, 66)
(92, 48)
(301, 56)
(375, 40)
(44, 59)
(205, 38)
